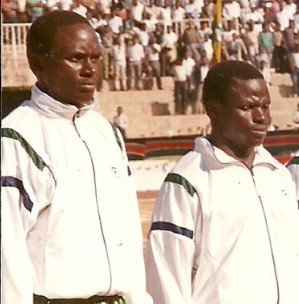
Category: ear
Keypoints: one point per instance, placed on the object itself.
(36, 63)
(214, 110)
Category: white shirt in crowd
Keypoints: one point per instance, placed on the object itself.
(115, 23)
(179, 73)
(189, 64)
(136, 52)
(153, 52)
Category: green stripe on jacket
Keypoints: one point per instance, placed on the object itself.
(37, 160)
(178, 179)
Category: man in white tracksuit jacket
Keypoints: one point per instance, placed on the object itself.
(293, 167)
(71, 229)
(225, 225)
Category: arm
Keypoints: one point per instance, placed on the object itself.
(171, 245)
(23, 195)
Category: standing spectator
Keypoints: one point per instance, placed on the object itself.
(231, 11)
(296, 19)
(107, 39)
(261, 56)
(266, 40)
(227, 213)
(255, 16)
(136, 57)
(137, 11)
(166, 14)
(290, 8)
(250, 38)
(235, 48)
(153, 51)
(79, 8)
(293, 167)
(190, 38)
(279, 52)
(178, 13)
(120, 65)
(180, 86)
(115, 22)
(169, 49)
(189, 65)
(9, 9)
(265, 70)
(121, 121)
(192, 10)
(35, 9)
(282, 16)
(289, 37)
(70, 214)
(294, 63)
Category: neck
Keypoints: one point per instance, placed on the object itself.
(243, 154)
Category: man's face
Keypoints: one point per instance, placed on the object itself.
(71, 72)
(244, 120)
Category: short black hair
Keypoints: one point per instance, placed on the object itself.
(43, 29)
(220, 78)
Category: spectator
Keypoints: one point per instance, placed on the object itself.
(115, 22)
(207, 9)
(262, 56)
(204, 29)
(107, 39)
(121, 121)
(279, 52)
(166, 14)
(136, 57)
(266, 40)
(235, 48)
(70, 213)
(152, 51)
(293, 167)
(295, 116)
(180, 86)
(289, 37)
(79, 8)
(296, 19)
(178, 13)
(250, 38)
(120, 65)
(255, 16)
(192, 10)
(294, 63)
(190, 38)
(35, 9)
(231, 11)
(9, 9)
(265, 70)
(207, 46)
(169, 50)
(217, 216)
(137, 11)
(282, 16)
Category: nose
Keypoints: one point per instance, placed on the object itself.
(260, 115)
(89, 67)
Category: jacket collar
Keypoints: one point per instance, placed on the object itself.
(262, 156)
(50, 107)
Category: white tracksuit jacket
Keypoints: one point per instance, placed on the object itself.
(293, 167)
(70, 218)
(224, 234)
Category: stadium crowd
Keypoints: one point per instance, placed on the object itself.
(146, 39)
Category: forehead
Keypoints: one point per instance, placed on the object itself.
(72, 36)
(247, 90)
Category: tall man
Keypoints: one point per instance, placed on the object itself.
(225, 224)
(71, 229)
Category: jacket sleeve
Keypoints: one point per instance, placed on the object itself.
(24, 193)
(138, 293)
(171, 245)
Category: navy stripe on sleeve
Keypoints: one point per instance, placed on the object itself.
(10, 181)
(166, 226)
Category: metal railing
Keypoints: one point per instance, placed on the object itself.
(13, 40)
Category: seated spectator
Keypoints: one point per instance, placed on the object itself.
(204, 29)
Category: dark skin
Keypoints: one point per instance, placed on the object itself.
(70, 73)
(241, 124)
